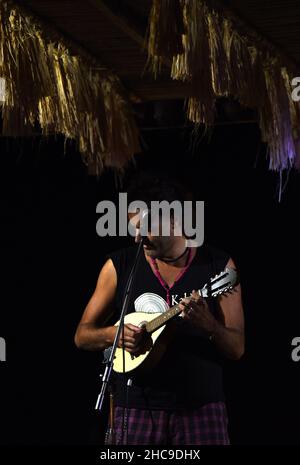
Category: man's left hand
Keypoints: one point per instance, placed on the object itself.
(196, 310)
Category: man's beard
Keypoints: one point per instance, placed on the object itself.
(155, 249)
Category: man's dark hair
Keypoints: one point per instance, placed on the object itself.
(149, 186)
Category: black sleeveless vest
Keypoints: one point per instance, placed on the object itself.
(190, 371)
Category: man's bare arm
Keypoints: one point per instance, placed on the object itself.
(92, 334)
(229, 335)
(226, 331)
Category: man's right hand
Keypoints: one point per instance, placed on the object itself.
(135, 341)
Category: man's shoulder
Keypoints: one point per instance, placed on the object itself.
(211, 253)
(122, 259)
(217, 251)
(124, 253)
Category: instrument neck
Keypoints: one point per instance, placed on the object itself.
(162, 319)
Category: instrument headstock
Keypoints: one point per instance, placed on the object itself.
(221, 283)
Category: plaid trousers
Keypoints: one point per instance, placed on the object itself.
(206, 425)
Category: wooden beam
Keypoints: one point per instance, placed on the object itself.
(132, 29)
(147, 90)
(121, 22)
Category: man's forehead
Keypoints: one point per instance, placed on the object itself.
(134, 217)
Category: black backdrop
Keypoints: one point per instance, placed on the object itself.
(51, 256)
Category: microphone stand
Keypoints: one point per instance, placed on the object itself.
(109, 364)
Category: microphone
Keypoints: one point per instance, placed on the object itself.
(144, 223)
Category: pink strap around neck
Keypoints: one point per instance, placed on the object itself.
(163, 283)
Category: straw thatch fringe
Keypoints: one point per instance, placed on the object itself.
(219, 59)
(165, 31)
(46, 84)
(277, 127)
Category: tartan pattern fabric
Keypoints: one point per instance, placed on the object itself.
(206, 425)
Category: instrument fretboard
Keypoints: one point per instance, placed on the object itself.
(162, 319)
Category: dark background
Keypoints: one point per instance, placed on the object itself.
(51, 257)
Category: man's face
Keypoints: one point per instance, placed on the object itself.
(156, 245)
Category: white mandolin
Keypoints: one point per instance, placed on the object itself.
(154, 321)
